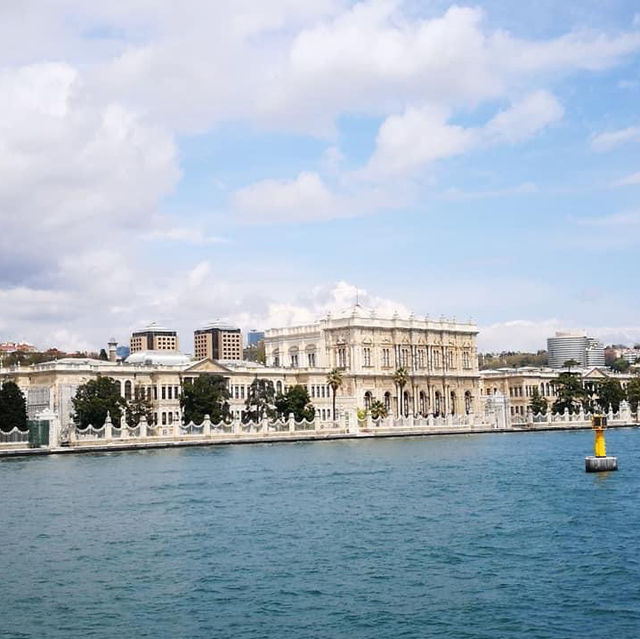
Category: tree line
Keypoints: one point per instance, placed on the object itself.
(573, 395)
(205, 395)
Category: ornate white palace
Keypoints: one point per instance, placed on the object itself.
(440, 359)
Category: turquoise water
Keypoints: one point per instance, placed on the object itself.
(468, 536)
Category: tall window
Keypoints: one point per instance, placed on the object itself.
(385, 357)
(342, 357)
(421, 358)
(467, 402)
(465, 360)
(366, 352)
(450, 359)
(404, 357)
(312, 360)
(294, 360)
(436, 359)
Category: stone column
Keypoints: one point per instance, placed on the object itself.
(143, 425)
(108, 428)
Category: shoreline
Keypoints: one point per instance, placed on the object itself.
(280, 438)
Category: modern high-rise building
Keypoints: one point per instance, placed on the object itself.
(218, 341)
(254, 337)
(154, 338)
(587, 351)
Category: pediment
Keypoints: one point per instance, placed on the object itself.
(207, 366)
(595, 373)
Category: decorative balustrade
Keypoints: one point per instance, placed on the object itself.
(350, 422)
(144, 431)
(14, 436)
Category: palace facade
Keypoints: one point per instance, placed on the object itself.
(439, 357)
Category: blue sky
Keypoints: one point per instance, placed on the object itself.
(261, 162)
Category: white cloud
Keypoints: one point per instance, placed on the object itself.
(526, 188)
(73, 171)
(303, 199)
(524, 118)
(419, 136)
(517, 335)
(184, 235)
(616, 220)
(611, 139)
(307, 198)
(628, 180)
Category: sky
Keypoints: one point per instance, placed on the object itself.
(267, 162)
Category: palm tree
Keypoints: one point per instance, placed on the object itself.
(334, 379)
(400, 378)
(378, 410)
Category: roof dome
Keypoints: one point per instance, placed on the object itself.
(158, 358)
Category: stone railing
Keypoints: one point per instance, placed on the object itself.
(236, 429)
(576, 419)
(14, 437)
(420, 422)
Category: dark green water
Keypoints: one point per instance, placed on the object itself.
(483, 536)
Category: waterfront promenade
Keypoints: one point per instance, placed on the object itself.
(110, 437)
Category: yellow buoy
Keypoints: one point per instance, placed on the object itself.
(600, 461)
(599, 423)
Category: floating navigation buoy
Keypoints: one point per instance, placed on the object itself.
(599, 461)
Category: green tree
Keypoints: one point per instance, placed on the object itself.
(260, 400)
(13, 407)
(570, 363)
(620, 365)
(206, 395)
(296, 400)
(103, 355)
(95, 399)
(571, 395)
(335, 381)
(610, 392)
(538, 404)
(633, 393)
(139, 406)
(377, 409)
(255, 353)
(400, 379)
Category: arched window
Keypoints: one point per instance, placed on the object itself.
(438, 404)
(127, 390)
(453, 403)
(367, 400)
(423, 403)
(279, 387)
(387, 401)
(405, 404)
(467, 402)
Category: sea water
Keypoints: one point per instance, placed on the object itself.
(466, 536)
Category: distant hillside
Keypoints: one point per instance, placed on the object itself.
(509, 359)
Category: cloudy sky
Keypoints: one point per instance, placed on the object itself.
(260, 161)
